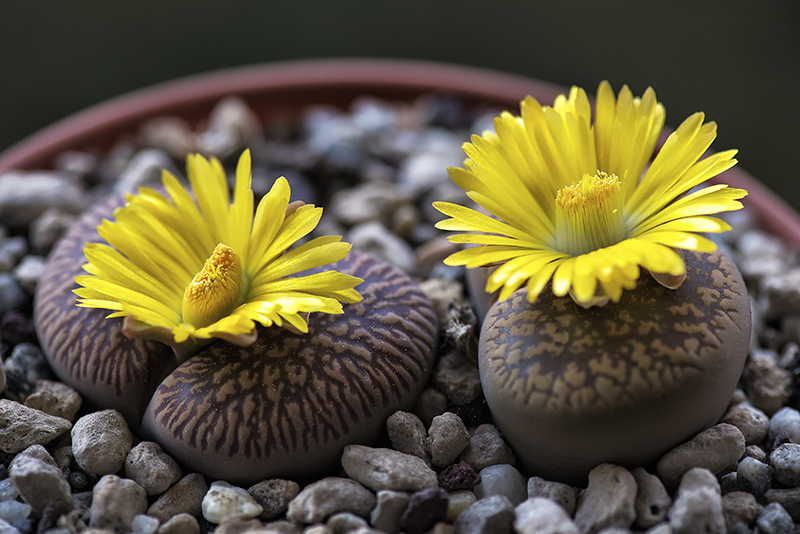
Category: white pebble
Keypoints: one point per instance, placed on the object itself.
(224, 501)
(144, 524)
(13, 511)
(8, 491)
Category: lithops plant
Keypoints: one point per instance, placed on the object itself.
(584, 360)
(187, 276)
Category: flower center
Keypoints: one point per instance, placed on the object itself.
(589, 214)
(213, 292)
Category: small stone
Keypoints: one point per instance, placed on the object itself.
(715, 449)
(784, 421)
(457, 502)
(28, 272)
(502, 479)
(407, 434)
(144, 168)
(24, 196)
(39, 482)
(425, 508)
(16, 328)
(785, 460)
(369, 202)
(180, 524)
(753, 423)
(698, 504)
(608, 501)
(458, 476)
(170, 134)
(144, 524)
(328, 496)
(781, 293)
(21, 427)
(231, 126)
(184, 497)
(447, 438)
(48, 228)
(492, 515)
(768, 385)
(13, 511)
(422, 171)
(376, 239)
(754, 477)
(24, 368)
(788, 498)
(224, 502)
(486, 447)
(388, 510)
(442, 293)
(431, 403)
(457, 378)
(558, 492)
(12, 296)
(381, 469)
(8, 491)
(539, 515)
(274, 496)
(55, 398)
(754, 451)
(652, 500)
(774, 520)
(115, 502)
(101, 441)
(739, 506)
(153, 469)
(344, 522)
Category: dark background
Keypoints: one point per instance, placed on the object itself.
(737, 60)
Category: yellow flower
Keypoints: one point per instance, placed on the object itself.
(581, 203)
(180, 268)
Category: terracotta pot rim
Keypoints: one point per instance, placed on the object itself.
(367, 76)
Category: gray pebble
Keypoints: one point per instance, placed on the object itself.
(185, 497)
(652, 500)
(144, 524)
(407, 434)
(493, 515)
(739, 506)
(28, 272)
(502, 479)
(180, 524)
(425, 508)
(753, 423)
(368, 202)
(431, 403)
(24, 368)
(328, 496)
(231, 126)
(539, 515)
(170, 134)
(753, 476)
(715, 449)
(101, 441)
(608, 500)
(785, 460)
(48, 228)
(729, 482)
(274, 496)
(754, 451)
(774, 519)
(24, 196)
(12, 296)
(447, 438)
(224, 502)
(457, 378)
(457, 502)
(781, 293)
(153, 469)
(38, 480)
(388, 510)
(788, 498)
(55, 398)
(768, 385)
(558, 492)
(786, 420)
(115, 502)
(486, 447)
(442, 293)
(21, 427)
(422, 171)
(698, 504)
(344, 522)
(144, 168)
(381, 469)
(376, 239)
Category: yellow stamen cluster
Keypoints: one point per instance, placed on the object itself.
(214, 291)
(589, 214)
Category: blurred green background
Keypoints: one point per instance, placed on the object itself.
(737, 60)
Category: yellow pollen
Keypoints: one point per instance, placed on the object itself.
(214, 292)
(589, 214)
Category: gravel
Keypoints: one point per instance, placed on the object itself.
(379, 165)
